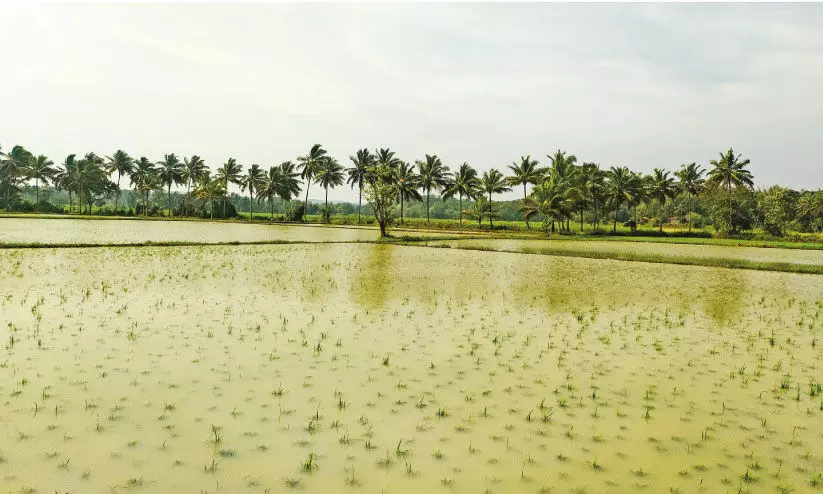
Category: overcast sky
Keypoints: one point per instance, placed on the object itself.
(619, 84)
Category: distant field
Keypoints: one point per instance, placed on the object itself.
(448, 227)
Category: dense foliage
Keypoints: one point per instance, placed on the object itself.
(721, 195)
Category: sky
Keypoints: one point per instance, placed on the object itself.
(640, 85)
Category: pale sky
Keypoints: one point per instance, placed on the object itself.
(640, 85)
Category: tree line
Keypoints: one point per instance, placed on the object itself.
(562, 192)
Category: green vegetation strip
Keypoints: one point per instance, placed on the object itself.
(715, 262)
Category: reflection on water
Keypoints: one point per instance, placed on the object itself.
(373, 283)
(721, 295)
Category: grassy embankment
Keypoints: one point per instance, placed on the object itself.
(421, 242)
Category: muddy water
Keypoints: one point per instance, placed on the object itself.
(377, 368)
(69, 231)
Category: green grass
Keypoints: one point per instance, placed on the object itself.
(714, 262)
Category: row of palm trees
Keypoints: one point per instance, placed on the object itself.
(560, 191)
(565, 188)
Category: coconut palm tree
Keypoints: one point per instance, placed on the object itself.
(385, 156)
(563, 167)
(661, 187)
(144, 179)
(192, 169)
(11, 170)
(253, 181)
(407, 183)
(479, 209)
(91, 178)
(64, 177)
(549, 200)
(691, 182)
(493, 182)
(230, 172)
(308, 166)
(330, 174)
(730, 172)
(621, 187)
(282, 181)
(527, 172)
(362, 162)
(209, 189)
(39, 169)
(123, 164)
(463, 182)
(170, 171)
(432, 176)
(591, 181)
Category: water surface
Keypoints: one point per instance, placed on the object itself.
(68, 231)
(380, 368)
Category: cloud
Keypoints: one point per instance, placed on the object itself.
(643, 85)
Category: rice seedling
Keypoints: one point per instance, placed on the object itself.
(517, 361)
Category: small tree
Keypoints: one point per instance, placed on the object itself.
(381, 194)
(777, 207)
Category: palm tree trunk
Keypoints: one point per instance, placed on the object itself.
(186, 198)
(690, 212)
(226, 187)
(581, 220)
(730, 206)
(401, 208)
(271, 205)
(491, 213)
(461, 210)
(117, 196)
(326, 208)
(662, 206)
(251, 205)
(169, 201)
(359, 203)
(36, 194)
(428, 193)
(70, 203)
(306, 202)
(525, 196)
(594, 211)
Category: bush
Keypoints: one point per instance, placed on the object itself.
(294, 211)
(325, 214)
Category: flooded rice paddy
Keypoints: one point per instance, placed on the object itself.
(379, 368)
(104, 231)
